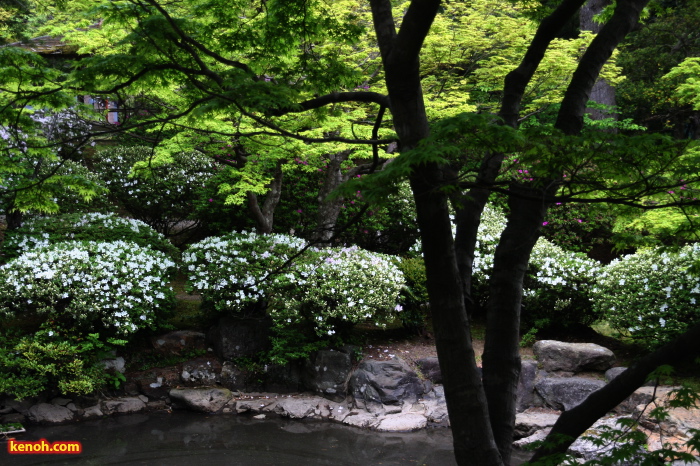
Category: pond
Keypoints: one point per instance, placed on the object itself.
(185, 438)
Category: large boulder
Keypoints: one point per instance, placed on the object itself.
(430, 368)
(387, 382)
(205, 400)
(235, 337)
(566, 392)
(326, 373)
(178, 342)
(572, 357)
(45, 413)
(125, 405)
(526, 385)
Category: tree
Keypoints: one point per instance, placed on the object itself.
(274, 70)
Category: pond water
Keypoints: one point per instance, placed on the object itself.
(192, 439)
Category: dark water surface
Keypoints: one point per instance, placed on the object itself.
(191, 439)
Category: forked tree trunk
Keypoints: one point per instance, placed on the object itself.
(264, 215)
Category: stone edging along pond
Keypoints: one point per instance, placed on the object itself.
(381, 395)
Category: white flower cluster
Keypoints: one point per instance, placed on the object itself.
(39, 232)
(340, 285)
(319, 286)
(651, 295)
(89, 286)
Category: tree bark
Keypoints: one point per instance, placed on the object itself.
(329, 209)
(602, 92)
(574, 422)
(264, 215)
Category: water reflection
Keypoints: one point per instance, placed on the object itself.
(190, 439)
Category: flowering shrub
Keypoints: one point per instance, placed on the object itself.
(337, 286)
(317, 294)
(232, 272)
(42, 231)
(73, 287)
(157, 192)
(651, 296)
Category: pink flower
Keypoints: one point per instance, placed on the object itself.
(299, 211)
(211, 200)
(579, 220)
(545, 223)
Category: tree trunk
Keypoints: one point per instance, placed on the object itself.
(264, 215)
(501, 359)
(329, 209)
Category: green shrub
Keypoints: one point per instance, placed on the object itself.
(651, 296)
(77, 288)
(159, 192)
(42, 231)
(33, 363)
(414, 296)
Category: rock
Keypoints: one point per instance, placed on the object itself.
(259, 416)
(123, 405)
(387, 382)
(235, 337)
(117, 364)
(296, 408)
(92, 412)
(179, 342)
(156, 383)
(430, 368)
(528, 423)
(204, 370)
(232, 377)
(572, 357)
(45, 413)
(404, 422)
(536, 437)
(22, 406)
(681, 420)
(326, 373)
(589, 450)
(360, 419)
(206, 400)
(565, 393)
(526, 385)
(13, 418)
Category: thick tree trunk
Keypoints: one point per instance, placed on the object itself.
(264, 215)
(329, 209)
(574, 422)
(501, 359)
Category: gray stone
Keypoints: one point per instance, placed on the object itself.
(92, 412)
(156, 383)
(235, 337)
(566, 393)
(178, 342)
(360, 419)
(326, 373)
(526, 385)
(13, 418)
(45, 413)
(528, 423)
(387, 382)
(404, 422)
(296, 408)
(200, 371)
(123, 405)
(232, 377)
(572, 357)
(60, 401)
(22, 406)
(117, 364)
(430, 368)
(206, 400)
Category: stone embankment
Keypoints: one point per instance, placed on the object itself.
(382, 395)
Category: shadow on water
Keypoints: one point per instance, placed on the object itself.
(192, 439)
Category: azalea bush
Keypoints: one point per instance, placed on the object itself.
(81, 287)
(43, 231)
(311, 295)
(156, 190)
(652, 295)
